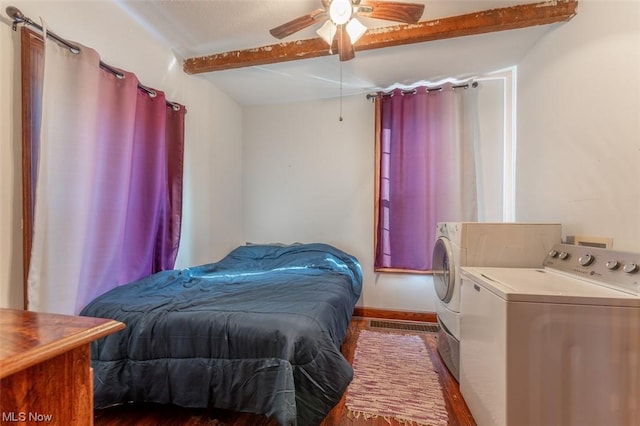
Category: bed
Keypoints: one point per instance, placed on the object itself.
(259, 331)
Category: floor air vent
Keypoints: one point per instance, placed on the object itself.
(409, 326)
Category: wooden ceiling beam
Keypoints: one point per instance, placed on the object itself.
(507, 18)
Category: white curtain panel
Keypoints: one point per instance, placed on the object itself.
(73, 134)
(455, 154)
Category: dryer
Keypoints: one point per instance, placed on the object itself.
(460, 244)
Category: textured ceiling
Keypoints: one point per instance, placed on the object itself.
(198, 28)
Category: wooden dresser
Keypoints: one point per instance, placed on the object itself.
(45, 367)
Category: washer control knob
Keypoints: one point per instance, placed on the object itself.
(586, 259)
(553, 253)
(563, 255)
(612, 264)
(630, 268)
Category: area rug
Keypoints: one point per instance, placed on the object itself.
(395, 379)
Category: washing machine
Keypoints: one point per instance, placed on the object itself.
(480, 244)
(558, 345)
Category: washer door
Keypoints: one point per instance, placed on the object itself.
(444, 277)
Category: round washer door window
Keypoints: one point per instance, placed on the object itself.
(443, 269)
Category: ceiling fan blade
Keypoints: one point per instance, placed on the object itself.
(409, 13)
(297, 24)
(345, 47)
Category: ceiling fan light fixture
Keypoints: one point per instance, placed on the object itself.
(341, 26)
(327, 32)
(340, 11)
(355, 29)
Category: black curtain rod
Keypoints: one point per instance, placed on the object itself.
(19, 18)
(413, 91)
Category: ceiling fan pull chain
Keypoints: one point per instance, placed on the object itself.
(340, 90)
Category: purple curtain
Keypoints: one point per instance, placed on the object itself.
(168, 238)
(425, 173)
(109, 183)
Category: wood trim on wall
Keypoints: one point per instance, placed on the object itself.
(394, 315)
(376, 189)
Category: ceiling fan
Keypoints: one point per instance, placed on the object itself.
(342, 24)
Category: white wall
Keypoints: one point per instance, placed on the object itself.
(579, 125)
(212, 222)
(309, 177)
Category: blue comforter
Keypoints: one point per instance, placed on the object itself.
(259, 331)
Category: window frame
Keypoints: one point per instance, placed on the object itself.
(32, 48)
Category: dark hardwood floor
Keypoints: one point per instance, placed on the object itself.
(152, 415)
